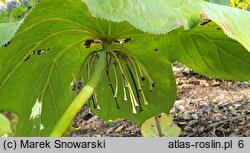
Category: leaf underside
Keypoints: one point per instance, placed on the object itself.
(164, 16)
(7, 30)
(47, 53)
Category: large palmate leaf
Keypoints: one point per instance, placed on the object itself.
(164, 16)
(40, 65)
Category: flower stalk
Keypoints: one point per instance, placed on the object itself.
(83, 96)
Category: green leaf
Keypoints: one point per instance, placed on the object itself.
(231, 20)
(159, 100)
(164, 16)
(222, 2)
(149, 129)
(45, 57)
(208, 51)
(5, 127)
(4, 16)
(17, 13)
(41, 65)
(150, 16)
(7, 30)
(37, 69)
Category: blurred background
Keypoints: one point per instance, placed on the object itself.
(14, 10)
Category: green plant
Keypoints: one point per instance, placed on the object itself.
(243, 4)
(222, 2)
(122, 55)
(160, 127)
(7, 30)
(12, 13)
(5, 127)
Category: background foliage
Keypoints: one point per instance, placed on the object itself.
(15, 10)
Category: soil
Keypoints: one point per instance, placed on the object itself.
(204, 107)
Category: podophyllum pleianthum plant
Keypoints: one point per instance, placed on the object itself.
(119, 52)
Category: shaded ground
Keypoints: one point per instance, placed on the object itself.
(204, 107)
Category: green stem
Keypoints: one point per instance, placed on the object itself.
(66, 119)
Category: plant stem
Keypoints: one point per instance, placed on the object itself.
(158, 126)
(66, 119)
